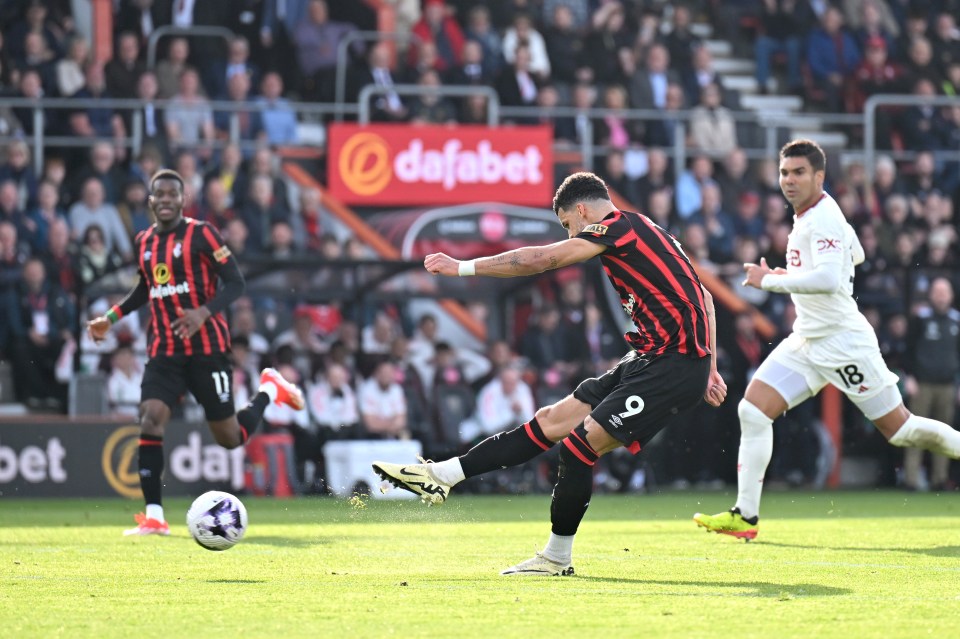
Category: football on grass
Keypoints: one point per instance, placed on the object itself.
(217, 520)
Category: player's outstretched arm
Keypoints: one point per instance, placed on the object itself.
(98, 327)
(528, 260)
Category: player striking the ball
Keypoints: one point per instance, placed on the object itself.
(180, 262)
(670, 367)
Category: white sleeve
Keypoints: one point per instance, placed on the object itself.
(828, 239)
(824, 278)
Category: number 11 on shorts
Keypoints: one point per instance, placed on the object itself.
(221, 381)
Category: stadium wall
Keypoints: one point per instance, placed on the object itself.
(64, 459)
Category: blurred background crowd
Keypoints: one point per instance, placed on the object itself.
(389, 371)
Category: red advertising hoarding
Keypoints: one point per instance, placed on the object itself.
(398, 165)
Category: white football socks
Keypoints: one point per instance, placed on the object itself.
(559, 548)
(155, 511)
(449, 472)
(929, 434)
(756, 448)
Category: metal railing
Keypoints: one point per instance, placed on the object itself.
(493, 98)
(340, 90)
(894, 100)
(187, 32)
(772, 128)
(44, 108)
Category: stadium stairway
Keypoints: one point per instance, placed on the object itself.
(739, 74)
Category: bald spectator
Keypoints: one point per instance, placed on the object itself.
(13, 255)
(189, 119)
(314, 220)
(69, 70)
(125, 68)
(215, 208)
(40, 320)
(383, 407)
(236, 63)
(103, 166)
(172, 67)
(933, 362)
(92, 209)
(261, 212)
(504, 401)
(316, 40)
(277, 122)
(11, 212)
(97, 121)
(46, 212)
(712, 128)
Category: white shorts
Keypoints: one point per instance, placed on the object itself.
(799, 367)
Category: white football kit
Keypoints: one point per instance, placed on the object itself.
(832, 342)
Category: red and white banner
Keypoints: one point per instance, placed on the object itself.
(397, 165)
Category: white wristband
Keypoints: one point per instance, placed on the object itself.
(467, 268)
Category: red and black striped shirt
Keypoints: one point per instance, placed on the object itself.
(179, 269)
(658, 287)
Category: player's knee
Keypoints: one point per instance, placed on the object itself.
(227, 438)
(152, 421)
(753, 421)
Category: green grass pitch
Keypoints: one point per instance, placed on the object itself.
(841, 564)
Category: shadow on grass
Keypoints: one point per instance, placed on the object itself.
(761, 588)
(936, 551)
(285, 542)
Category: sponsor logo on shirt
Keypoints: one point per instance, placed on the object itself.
(825, 245)
(166, 290)
(794, 257)
(596, 229)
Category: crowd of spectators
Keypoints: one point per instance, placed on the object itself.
(69, 226)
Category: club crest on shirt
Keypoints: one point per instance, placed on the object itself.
(598, 229)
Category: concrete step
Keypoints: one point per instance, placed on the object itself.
(828, 139)
(747, 83)
(719, 48)
(702, 30)
(771, 103)
(734, 65)
(800, 121)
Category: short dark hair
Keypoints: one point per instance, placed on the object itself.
(803, 148)
(579, 187)
(166, 174)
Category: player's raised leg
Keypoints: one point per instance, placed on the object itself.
(902, 428)
(233, 430)
(432, 481)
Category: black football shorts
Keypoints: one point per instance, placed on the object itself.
(209, 378)
(635, 399)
